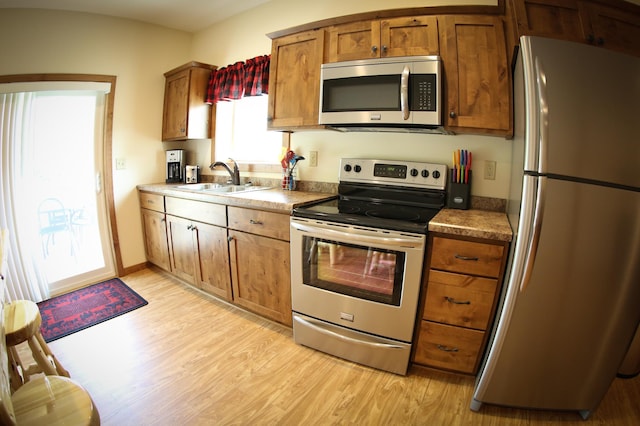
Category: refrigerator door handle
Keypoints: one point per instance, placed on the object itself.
(534, 239)
(543, 116)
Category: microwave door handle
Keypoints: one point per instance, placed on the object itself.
(404, 92)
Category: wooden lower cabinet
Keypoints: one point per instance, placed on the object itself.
(154, 229)
(199, 255)
(260, 262)
(460, 296)
(448, 347)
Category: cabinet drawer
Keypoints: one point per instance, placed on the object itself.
(214, 214)
(448, 347)
(467, 257)
(459, 299)
(274, 225)
(151, 201)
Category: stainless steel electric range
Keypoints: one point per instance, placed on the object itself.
(357, 261)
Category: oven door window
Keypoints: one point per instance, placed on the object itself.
(364, 272)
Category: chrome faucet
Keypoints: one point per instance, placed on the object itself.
(235, 173)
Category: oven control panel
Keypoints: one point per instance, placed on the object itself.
(394, 172)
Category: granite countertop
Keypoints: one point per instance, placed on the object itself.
(272, 199)
(472, 223)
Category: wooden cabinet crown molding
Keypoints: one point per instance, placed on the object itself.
(497, 9)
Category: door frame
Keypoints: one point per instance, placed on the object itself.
(107, 154)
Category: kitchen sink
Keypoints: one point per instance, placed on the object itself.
(222, 188)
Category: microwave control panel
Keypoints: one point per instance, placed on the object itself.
(423, 92)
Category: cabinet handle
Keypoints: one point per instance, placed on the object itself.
(255, 222)
(447, 349)
(457, 302)
(374, 49)
(194, 228)
(461, 257)
(189, 227)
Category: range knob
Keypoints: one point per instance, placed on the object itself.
(414, 172)
(357, 169)
(347, 167)
(436, 174)
(425, 173)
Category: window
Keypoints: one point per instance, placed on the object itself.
(241, 132)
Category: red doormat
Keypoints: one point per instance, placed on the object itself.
(83, 308)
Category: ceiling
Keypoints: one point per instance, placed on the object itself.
(186, 15)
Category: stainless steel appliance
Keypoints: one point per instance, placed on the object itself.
(400, 93)
(356, 261)
(570, 304)
(175, 165)
(191, 174)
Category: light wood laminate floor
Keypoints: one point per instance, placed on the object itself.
(188, 359)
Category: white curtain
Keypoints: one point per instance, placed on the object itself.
(24, 277)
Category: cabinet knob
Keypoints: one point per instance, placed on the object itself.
(229, 238)
(384, 49)
(374, 49)
(600, 41)
(452, 114)
(189, 227)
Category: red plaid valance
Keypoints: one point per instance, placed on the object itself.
(250, 78)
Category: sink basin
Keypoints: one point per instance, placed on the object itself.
(221, 188)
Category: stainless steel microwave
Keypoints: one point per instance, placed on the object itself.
(400, 92)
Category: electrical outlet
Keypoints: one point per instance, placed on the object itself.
(121, 164)
(313, 158)
(490, 170)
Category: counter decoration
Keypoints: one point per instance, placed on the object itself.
(289, 162)
(459, 189)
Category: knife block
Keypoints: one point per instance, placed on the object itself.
(458, 194)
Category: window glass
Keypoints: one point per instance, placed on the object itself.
(241, 132)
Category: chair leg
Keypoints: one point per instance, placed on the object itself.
(52, 358)
(16, 369)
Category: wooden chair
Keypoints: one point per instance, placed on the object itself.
(22, 324)
(46, 400)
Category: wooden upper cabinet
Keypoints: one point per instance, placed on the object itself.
(185, 113)
(551, 18)
(294, 80)
(614, 26)
(405, 36)
(615, 29)
(477, 77)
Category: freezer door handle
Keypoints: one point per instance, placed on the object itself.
(543, 116)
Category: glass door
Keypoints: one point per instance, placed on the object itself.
(62, 175)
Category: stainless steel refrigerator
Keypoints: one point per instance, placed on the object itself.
(570, 303)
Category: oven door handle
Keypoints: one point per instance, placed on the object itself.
(410, 242)
(318, 327)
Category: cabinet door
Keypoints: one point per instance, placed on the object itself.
(477, 76)
(352, 41)
(213, 260)
(176, 106)
(563, 19)
(294, 80)
(183, 255)
(260, 275)
(410, 36)
(155, 238)
(615, 29)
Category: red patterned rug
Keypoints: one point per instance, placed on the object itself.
(83, 308)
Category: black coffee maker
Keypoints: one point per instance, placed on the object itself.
(175, 166)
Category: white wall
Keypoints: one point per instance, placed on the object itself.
(244, 36)
(36, 41)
